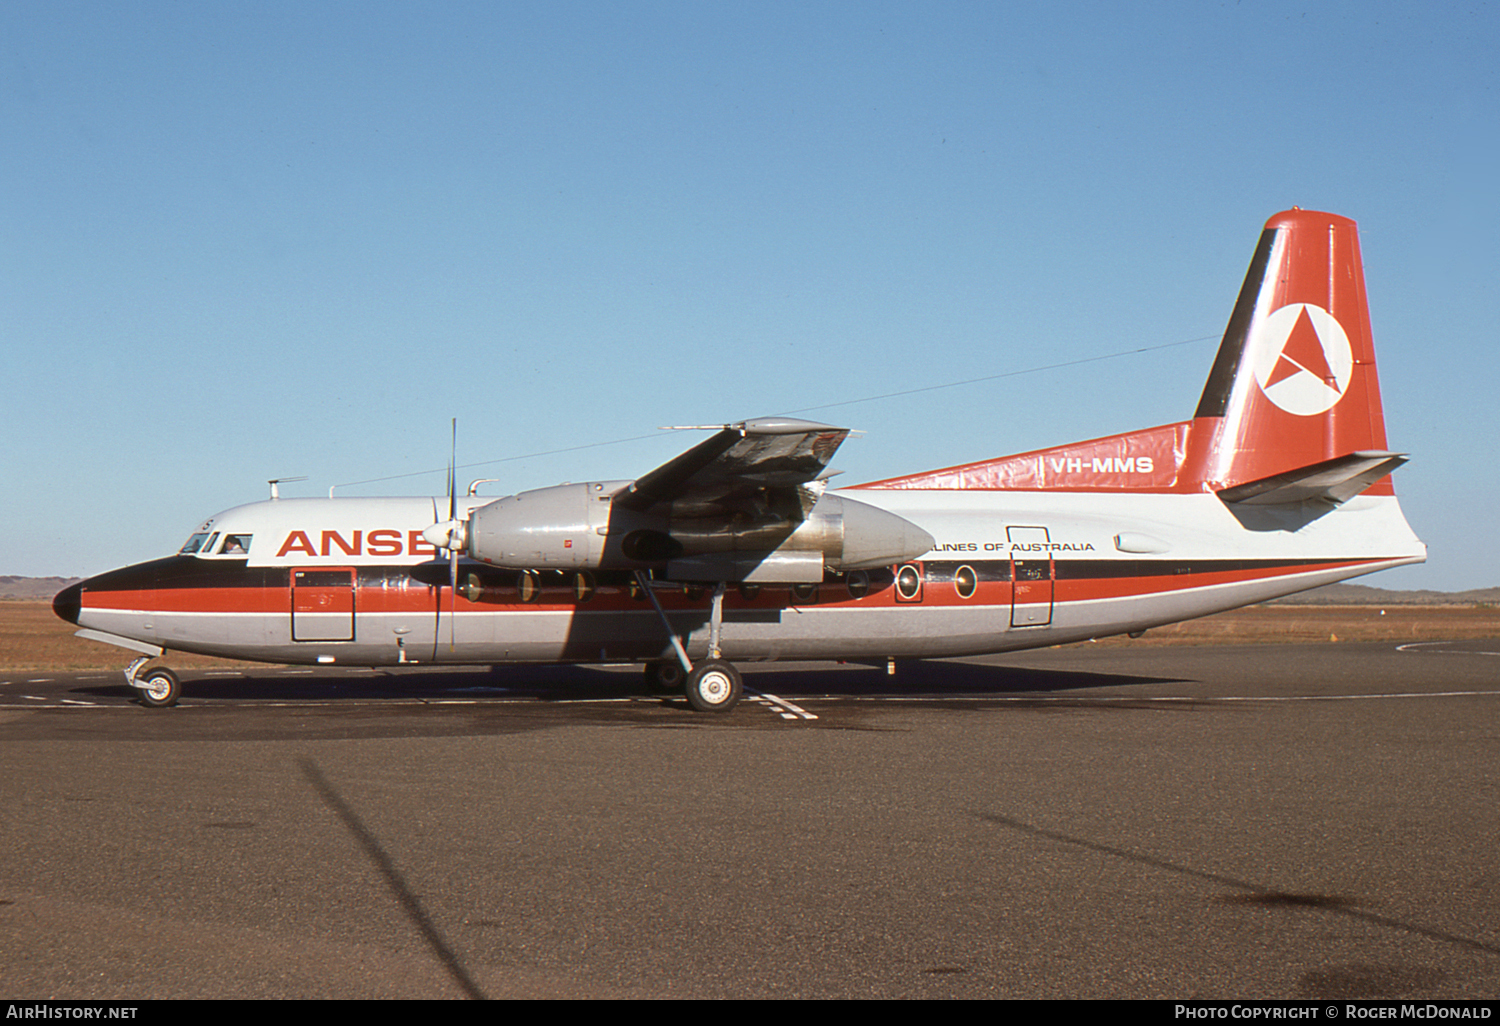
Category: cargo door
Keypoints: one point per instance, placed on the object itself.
(323, 604)
(1031, 574)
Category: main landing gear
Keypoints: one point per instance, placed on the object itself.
(665, 678)
(713, 685)
(157, 688)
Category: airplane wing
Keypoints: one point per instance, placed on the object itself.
(747, 504)
(735, 467)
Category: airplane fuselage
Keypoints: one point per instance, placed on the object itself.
(350, 581)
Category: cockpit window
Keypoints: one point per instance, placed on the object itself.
(193, 544)
(236, 545)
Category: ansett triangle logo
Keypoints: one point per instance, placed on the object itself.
(1303, 361)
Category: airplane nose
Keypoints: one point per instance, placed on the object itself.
(68, 602)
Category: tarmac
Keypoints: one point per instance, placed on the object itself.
(1297, 822)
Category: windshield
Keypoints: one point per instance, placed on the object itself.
(193, 544)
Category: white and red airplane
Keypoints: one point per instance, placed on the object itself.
(738, 550)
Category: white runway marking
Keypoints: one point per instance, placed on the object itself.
(787, 709)
(1412, 646)
(1099, 699)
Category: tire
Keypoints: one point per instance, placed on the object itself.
(665, 678)
(159, 688)
(714, 686)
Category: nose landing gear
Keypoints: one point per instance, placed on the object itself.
(157, 688)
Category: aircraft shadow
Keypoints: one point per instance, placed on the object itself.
(938, 679)
(554, 683)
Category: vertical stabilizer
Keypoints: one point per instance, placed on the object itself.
(1291, 411)
(1294, 382)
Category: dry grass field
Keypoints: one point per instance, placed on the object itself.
(31, 638)
(1289, 624)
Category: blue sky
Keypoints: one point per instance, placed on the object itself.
(243, 241)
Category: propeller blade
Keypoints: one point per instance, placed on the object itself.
(452, 470)
(452, 539)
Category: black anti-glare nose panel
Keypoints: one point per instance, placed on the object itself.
(68, 602)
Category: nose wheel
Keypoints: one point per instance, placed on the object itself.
(158, 688)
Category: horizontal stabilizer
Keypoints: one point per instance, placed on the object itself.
(1336, 481)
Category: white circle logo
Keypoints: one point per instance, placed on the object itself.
(1303, 361)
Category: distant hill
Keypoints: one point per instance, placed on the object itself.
(34, 588)
(40, 589)
(1364, 595)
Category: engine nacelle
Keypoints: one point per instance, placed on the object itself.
(564, 526)
(571, 527)
(839, 533)
(869, 537)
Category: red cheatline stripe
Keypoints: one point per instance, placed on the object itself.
(607, 598)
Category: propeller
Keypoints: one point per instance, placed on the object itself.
(451, 535)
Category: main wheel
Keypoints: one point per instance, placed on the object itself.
(159, 688)
(714, 686)
(665, 677)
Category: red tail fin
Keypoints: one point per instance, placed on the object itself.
(1294, 383)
